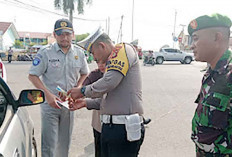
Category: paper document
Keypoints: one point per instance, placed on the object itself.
(59, 89)
(65, 104)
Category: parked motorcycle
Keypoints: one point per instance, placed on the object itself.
(24, 57)
(149, 60)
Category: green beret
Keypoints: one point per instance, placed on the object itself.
(202, 22)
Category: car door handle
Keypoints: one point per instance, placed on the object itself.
(16, 153)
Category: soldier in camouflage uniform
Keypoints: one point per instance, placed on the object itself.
(212, 122)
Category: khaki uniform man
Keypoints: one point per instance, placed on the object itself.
(59, 64)
(121, 92)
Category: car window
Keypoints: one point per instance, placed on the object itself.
(3, 107)
(173, 50)
(168, 50)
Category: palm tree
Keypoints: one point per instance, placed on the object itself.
(68, 6)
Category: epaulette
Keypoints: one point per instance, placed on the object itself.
(45, 47)
(129, 44)
(78, 47)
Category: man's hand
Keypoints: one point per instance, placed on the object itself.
(75, 93)
(77, 104)
(62, 96)
(51, 100)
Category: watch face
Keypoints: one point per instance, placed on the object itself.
(83, 90)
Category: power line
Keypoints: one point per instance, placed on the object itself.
(19, 4)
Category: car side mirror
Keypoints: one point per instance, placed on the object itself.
(31, 97)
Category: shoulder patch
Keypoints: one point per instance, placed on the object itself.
(36, 61)
(118, 60)
(78, 47)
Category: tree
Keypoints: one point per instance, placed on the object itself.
(18, 44)
(45, 42)
(81, 37)
(68, 6)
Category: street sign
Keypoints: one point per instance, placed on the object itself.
(175, 39)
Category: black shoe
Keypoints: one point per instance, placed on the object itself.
(146, 121)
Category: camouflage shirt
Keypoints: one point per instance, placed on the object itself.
(212, 122)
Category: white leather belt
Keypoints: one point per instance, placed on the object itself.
(116, 119)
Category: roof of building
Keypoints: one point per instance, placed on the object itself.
(38, 35)
(4, 26)
(34, 35)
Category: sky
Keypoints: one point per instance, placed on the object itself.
(153, 20)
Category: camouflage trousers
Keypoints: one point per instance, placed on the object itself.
(201, 153)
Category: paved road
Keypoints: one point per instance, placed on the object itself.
(169, 91)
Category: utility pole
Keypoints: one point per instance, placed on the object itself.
(1, 40)
(120, 31)
(132, 34)
(108, 25)
(174, 31)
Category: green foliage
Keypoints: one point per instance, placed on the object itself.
(80, 37)
(44, 42)
(31, 44)
(68, 5)
(18, 44)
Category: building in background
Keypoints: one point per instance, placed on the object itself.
(184, 41)
(8, 35)
(24, 41)
(30, 39)
(33, 38)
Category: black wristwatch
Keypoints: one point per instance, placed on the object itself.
(83, 90)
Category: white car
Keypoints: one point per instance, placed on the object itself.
(16, 127)
(170, 54)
